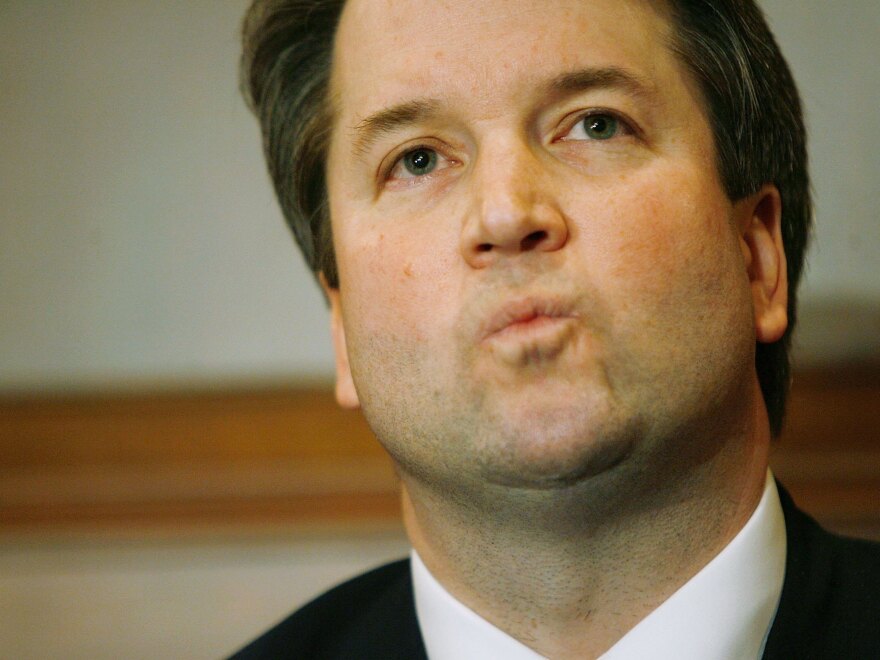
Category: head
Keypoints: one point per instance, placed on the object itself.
(754, 148)
(726, 45)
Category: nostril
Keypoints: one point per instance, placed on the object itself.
(484, 247)
(533, 239)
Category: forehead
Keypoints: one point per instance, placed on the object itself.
(388, 51)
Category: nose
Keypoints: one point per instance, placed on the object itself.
(513, 212)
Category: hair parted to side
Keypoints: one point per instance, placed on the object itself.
(751, 101)
(285, 79)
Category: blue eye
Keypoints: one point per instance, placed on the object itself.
(419, 162)
(600, 127)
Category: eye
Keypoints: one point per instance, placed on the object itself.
(415, 163)
(597, 126)
(420, 163)
(600, 127)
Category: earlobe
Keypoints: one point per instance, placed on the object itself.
(346, 394)
(761, 226)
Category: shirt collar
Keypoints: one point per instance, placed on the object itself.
(725, 611)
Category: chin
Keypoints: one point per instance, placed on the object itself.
(548, 450)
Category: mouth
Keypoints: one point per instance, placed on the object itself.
(528, 319)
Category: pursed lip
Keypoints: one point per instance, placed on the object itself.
(526, 312)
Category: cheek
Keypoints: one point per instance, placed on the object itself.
(668, 241)
(670, 265)
(676, 291)
(387, 283)
(371, 277)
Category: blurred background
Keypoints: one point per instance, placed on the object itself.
(174, 475)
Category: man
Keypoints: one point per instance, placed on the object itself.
(560, 242)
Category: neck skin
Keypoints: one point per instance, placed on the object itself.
(568, 572)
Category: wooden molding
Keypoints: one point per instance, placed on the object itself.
(289, 459)
(829, 454)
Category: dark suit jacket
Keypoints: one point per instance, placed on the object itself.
(830, 607)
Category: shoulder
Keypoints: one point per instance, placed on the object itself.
(370, 616)
(830, 602)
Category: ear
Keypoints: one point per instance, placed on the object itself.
(346, 395)
(760, 223)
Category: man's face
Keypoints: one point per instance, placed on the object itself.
(540, 272)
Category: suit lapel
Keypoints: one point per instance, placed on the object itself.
(807, 579)
(387, 628)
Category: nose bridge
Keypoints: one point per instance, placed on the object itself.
(507, 185)
(513, 209)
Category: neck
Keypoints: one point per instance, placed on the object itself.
(568, 572)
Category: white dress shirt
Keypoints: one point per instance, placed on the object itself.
(724, 612)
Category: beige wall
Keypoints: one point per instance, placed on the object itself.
(169, 599)
(139, 241)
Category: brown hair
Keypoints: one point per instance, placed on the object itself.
(285, 79)
(750, 95)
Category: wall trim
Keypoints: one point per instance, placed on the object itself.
(289, 459)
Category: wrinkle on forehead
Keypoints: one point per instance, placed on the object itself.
(378, 40)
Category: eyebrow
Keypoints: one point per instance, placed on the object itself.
(388, 120)
(391, 119)
(611, 77)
